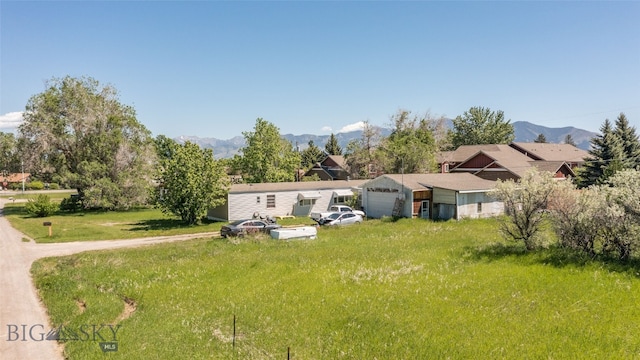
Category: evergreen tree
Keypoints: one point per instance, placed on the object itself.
(332, 147)
(311, 155)
(569, 140)
(605, 158)
(630, 142)
(541, 139)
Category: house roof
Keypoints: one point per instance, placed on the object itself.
(551, 166)
(296, 186)
(449, 181)
(551, 152)
(15, 177)
(464, 152)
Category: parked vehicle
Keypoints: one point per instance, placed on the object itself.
(245, 227)
(316, 216)
(341, 218)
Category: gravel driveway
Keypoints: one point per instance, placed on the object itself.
(23, 318)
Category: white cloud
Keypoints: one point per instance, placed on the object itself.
(11, 120)
(326, 129)
(352, 127)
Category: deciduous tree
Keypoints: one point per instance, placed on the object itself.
(267, 157)
(78, 130)
(524, 202)
(191, 180)
(480, 125)
(411, 147)
(360, 153)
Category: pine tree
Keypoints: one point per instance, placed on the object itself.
(605, 158)
(569, 140)
(540, 139)
(630, 142)
(332, 147)
(311, 155)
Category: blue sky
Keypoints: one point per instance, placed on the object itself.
(210, 68)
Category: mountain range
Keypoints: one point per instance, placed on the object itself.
(524, 132)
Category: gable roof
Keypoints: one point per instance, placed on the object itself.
(464, 152)
(551, 152)
(450, 181)
(295, 186)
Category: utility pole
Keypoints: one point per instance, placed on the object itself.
(22, 173)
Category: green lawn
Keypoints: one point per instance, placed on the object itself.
(410, 289)
(108, 225)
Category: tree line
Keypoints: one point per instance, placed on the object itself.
(77, 134)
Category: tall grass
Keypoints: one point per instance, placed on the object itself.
(410, 289)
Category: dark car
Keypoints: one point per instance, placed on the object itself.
(244, 227)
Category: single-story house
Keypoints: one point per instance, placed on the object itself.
(430, 196)
(14, 178)
(284, 199)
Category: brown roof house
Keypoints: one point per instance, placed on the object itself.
(568, 153)
(504, 162)
(333, 167)
(14, 178)
(430, 196)
(284, 198)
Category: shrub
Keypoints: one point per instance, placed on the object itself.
(71, 204)
(54, 186)
(41, 206)
(35, 185)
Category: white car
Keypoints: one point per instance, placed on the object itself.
(341, 218)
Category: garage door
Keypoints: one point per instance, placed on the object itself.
(380, 204)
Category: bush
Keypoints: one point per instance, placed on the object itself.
(41, 206)
(71, 204)
(35, 185)
(54, 186)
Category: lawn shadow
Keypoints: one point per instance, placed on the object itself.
(166, 224)
(554, 256)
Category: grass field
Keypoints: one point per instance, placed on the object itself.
(410, 289)
(106, 225)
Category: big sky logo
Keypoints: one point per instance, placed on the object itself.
(105, 334)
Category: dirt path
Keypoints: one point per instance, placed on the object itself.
(23, 318)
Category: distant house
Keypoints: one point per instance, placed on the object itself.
(333, 167)
(14, 178)
(284, 199)
(493, 162)
(567, 153)
(430, 196)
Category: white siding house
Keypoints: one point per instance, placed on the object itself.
(433, 196)
(284, 199)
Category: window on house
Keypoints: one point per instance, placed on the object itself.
(257, 199)
(271, 201)
(341, 199)
(479, 207)
(307, 202)
(446, 168)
